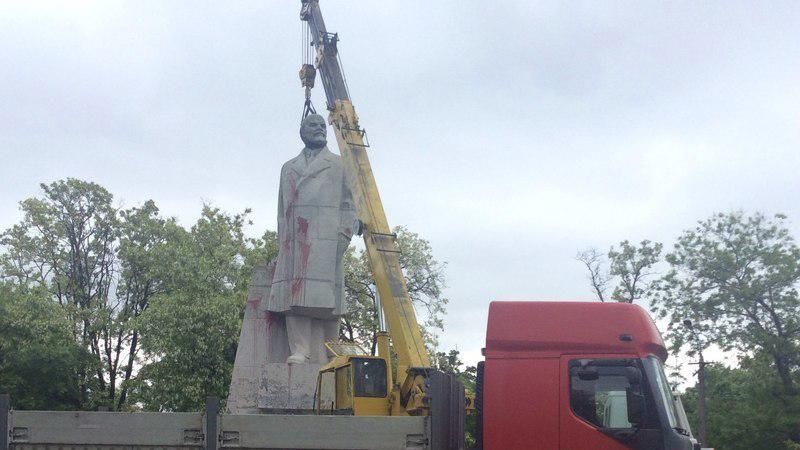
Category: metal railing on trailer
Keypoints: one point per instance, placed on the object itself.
(90, 430)
(210, 430)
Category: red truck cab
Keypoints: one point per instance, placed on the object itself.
(575, 376)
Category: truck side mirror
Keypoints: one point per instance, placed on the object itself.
(634, 396)
(634, 375)
(588, 374)
(636, 406)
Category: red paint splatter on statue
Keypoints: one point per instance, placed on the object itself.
(270, 318)
(305, 251)
(302, 228)
(288, 215)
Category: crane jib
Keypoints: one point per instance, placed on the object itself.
(382, 249)
(327, 54)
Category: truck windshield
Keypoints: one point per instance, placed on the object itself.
(664, 391)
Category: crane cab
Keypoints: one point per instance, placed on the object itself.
(353, 383)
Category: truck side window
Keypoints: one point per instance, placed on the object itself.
(600, 392)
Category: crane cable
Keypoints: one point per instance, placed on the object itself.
(307, 71)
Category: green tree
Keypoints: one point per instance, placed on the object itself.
(189, 344)
(103, 268)
(450, 362)
(634, 267)
(191, 328)
(65, 243)
(631, 266)
(735, 276)
(747, 409)
(143, 235)
(425, 280)
(39, 359)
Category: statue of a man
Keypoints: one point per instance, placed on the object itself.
(316, 220)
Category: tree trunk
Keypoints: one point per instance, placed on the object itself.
(84, 399)
(785, 373)
(701, 407)
(128, 370)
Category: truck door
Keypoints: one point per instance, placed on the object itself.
(520, 404)
(602, 403)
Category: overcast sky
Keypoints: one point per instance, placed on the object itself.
(510, 134)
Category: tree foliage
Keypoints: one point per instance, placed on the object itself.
(450, 362)
(633, 266)
(39, 358)
(191, 329)
(65, 244)
(425, 280)
(747, 409)
(735, 276)
(132, 289)
(630, 266)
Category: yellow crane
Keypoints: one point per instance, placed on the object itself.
(353, 382)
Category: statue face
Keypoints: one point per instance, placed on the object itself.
(313, 131)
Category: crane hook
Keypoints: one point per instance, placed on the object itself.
(307, 75)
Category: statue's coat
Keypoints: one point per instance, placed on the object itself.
(316, 219)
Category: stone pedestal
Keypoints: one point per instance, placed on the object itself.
(288, 387)
(261, 380)
(277, 388)
(261, 341)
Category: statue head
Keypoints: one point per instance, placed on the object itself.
(313, 131)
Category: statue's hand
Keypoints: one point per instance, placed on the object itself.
(355, 228)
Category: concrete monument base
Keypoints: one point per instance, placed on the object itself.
(280, 388)
(262, 381)
(288, 387)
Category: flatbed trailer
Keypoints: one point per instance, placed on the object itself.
(212, 429)
(59, 430)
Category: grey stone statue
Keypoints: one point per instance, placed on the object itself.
(294, 302)
(316, 220)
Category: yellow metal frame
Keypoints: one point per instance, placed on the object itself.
(345, 400)
(382, 250)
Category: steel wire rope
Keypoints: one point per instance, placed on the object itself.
(344, 75)
(306, 56)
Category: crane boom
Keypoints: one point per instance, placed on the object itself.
(382, 249)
